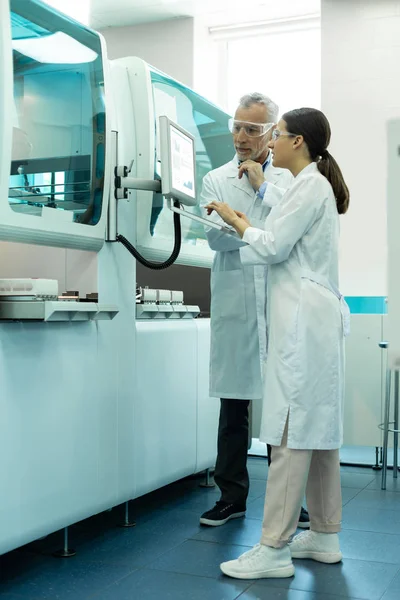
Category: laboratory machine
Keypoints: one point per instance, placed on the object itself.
(104, 381)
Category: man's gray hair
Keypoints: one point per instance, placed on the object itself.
(255, 98)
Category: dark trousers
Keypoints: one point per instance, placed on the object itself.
(231, 474)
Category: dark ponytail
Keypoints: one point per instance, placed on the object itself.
(315, 129)
(328, 166)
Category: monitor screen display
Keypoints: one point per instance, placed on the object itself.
(178, 162)
(182, 164)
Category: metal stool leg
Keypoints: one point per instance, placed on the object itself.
(127, 522)
(396, 424)
(66, 552)
(386, 427)
(377, 466)
(208, 483)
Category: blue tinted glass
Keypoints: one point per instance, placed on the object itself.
(214, 147)
(58, 148)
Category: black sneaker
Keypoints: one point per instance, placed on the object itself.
(221, 513)
(304, 519)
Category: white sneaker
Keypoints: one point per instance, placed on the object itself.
(322, 547)
(261, 561)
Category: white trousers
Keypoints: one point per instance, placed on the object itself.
(292, 474)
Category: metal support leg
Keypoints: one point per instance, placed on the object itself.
(65, 552)
(396, 424)
(208, 483)
(386, 428)
(127, 522)
(377, 466)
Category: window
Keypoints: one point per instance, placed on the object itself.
(281, 59)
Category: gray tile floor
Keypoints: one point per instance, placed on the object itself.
(169, 556)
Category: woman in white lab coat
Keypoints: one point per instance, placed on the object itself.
(307, 321)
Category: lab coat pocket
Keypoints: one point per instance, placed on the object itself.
(228, 300)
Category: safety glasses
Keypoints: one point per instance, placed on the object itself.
(250, 129)
(277, 134)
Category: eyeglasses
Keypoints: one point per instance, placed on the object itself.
(250, 129)
(277, 134)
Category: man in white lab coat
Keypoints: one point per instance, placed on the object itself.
(238, 299)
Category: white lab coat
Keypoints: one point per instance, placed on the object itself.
(238, 293)
(307, 317)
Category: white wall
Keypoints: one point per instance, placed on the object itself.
(360, 91)
(167, 45)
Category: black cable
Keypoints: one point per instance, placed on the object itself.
(175, 252)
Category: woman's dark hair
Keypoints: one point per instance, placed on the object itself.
(315, 129)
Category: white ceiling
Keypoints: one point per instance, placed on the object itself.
(114, 13)
(100, 14)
